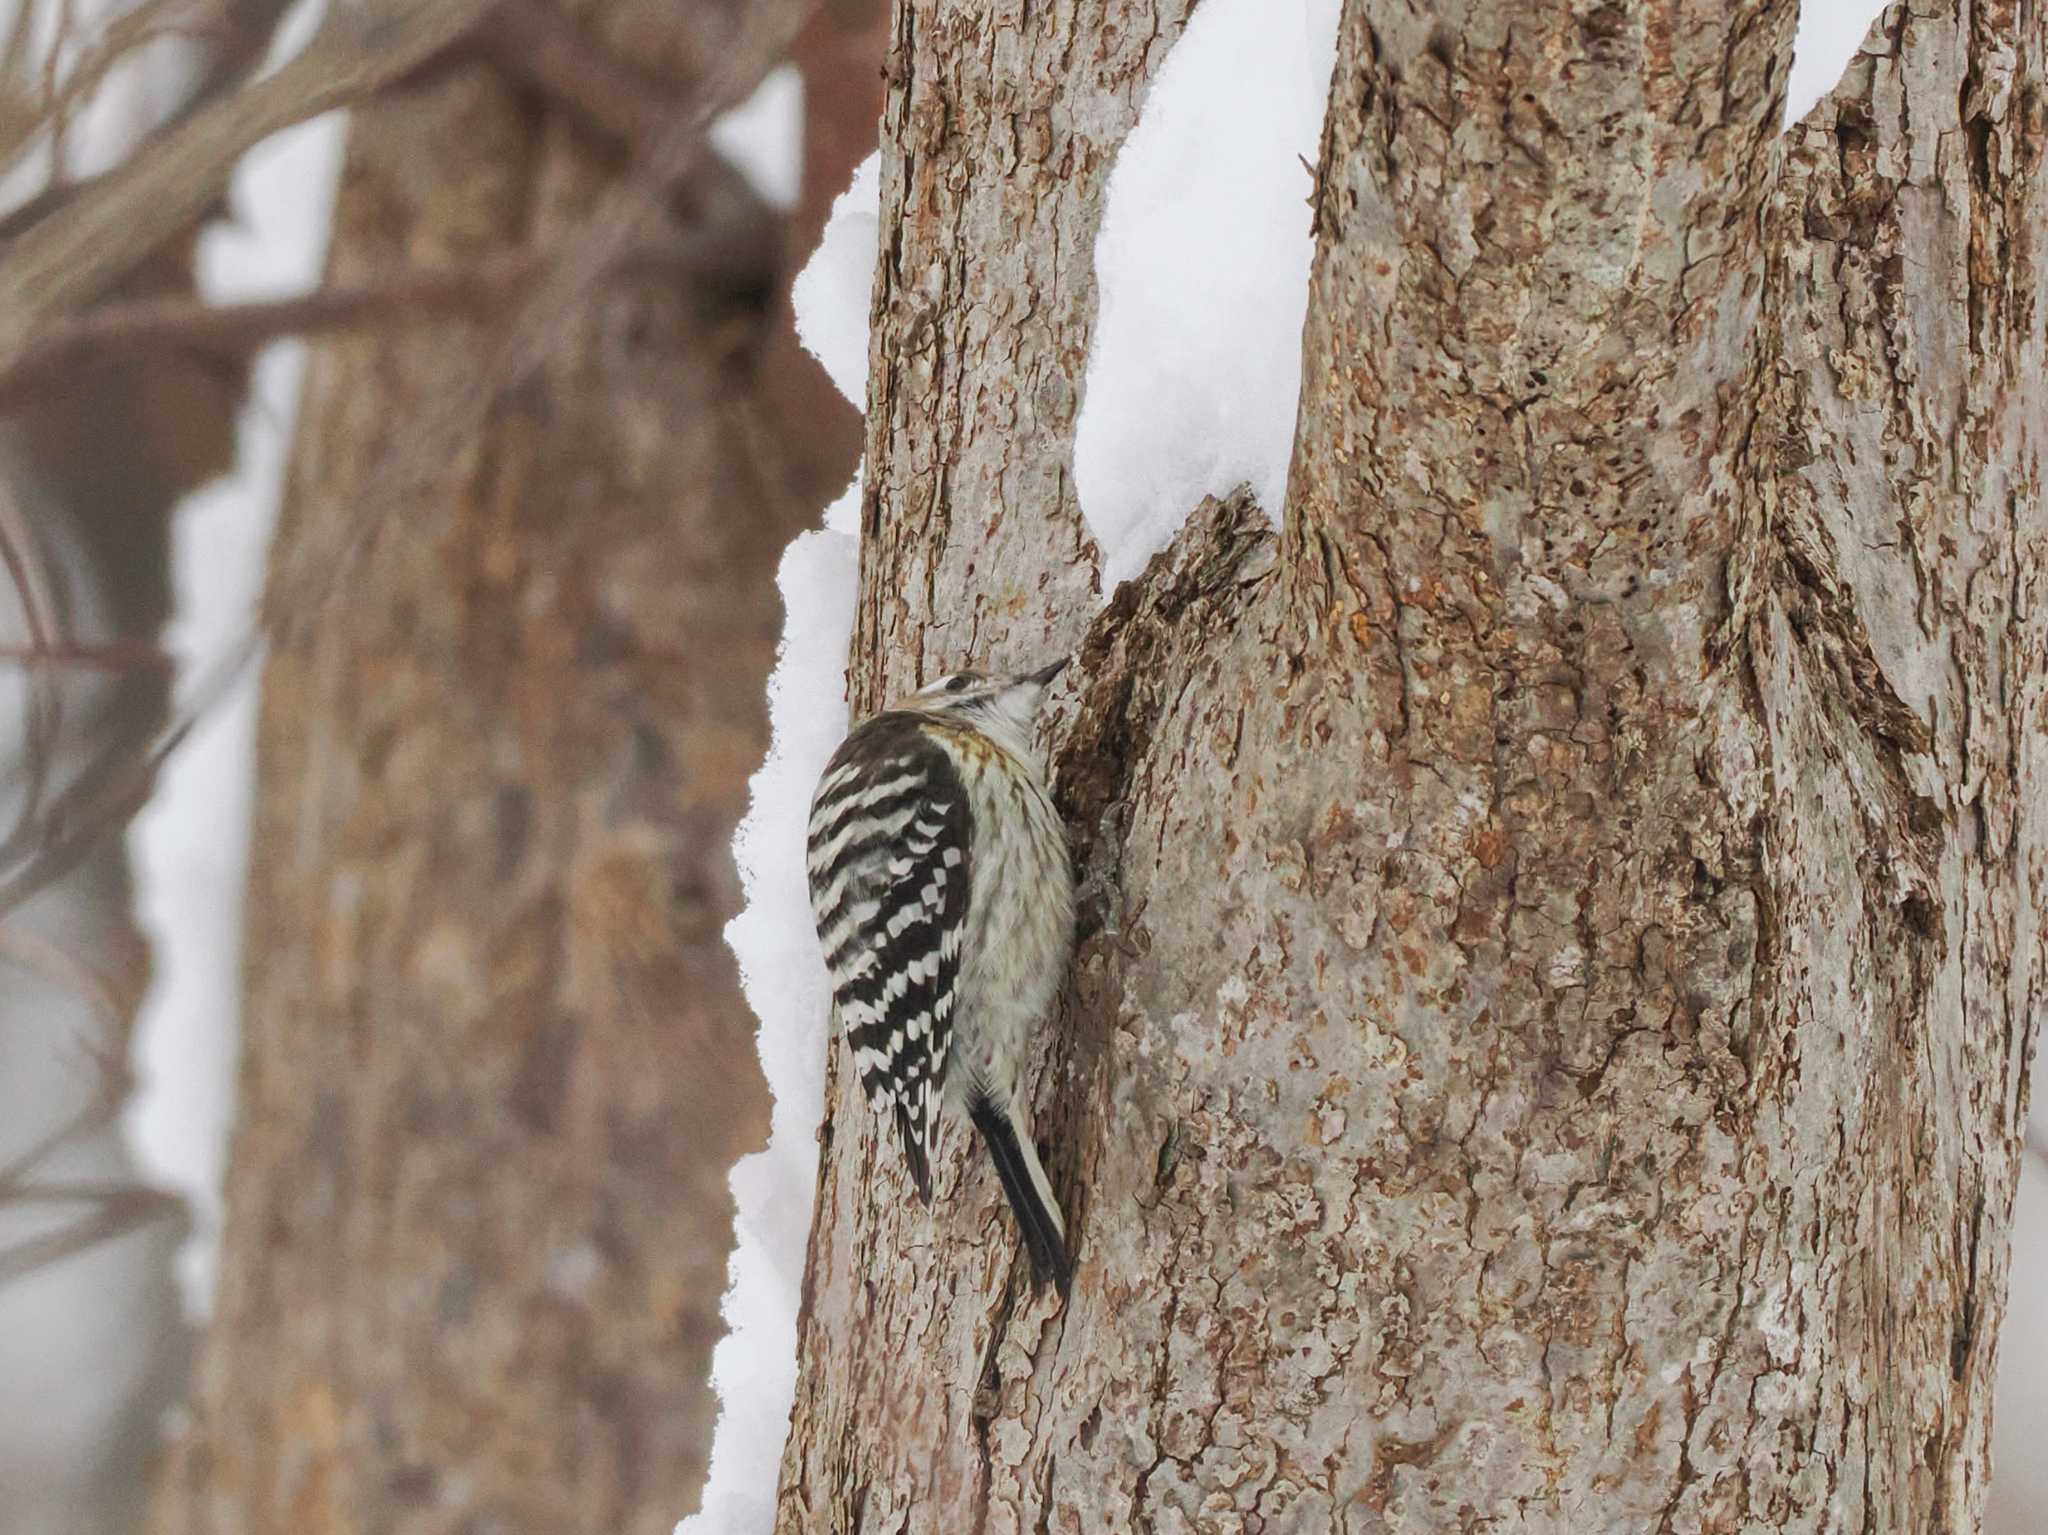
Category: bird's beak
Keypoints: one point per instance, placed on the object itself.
(1045, 674)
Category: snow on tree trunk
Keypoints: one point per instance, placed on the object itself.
(999, 131)
(1562, 944)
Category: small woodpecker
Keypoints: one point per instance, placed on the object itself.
(943, 889)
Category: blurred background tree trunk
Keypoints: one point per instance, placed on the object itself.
(496, 1063)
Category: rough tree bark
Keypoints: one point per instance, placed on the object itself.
(496, 1063)
(1551, 1053)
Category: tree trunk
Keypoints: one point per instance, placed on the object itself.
(1551, 1051)
(496, 1063)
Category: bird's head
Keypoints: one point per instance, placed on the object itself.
(1002, 703)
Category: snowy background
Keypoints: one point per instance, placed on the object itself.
(1173, 411)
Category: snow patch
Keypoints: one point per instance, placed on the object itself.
(763, 137)
(753, 1371)
(835, 290)
(1202, 267)
(1830, 34)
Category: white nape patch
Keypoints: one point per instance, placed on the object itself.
(1202, 265)
(835, 290)
(1830, 33)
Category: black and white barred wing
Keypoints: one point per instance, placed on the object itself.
(890, 845)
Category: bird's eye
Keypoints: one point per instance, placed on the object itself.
(957, 682)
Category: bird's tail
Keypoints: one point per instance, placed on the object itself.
(1030, 1194)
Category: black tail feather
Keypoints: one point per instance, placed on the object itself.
(1040, 1226)
(913, 1152)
